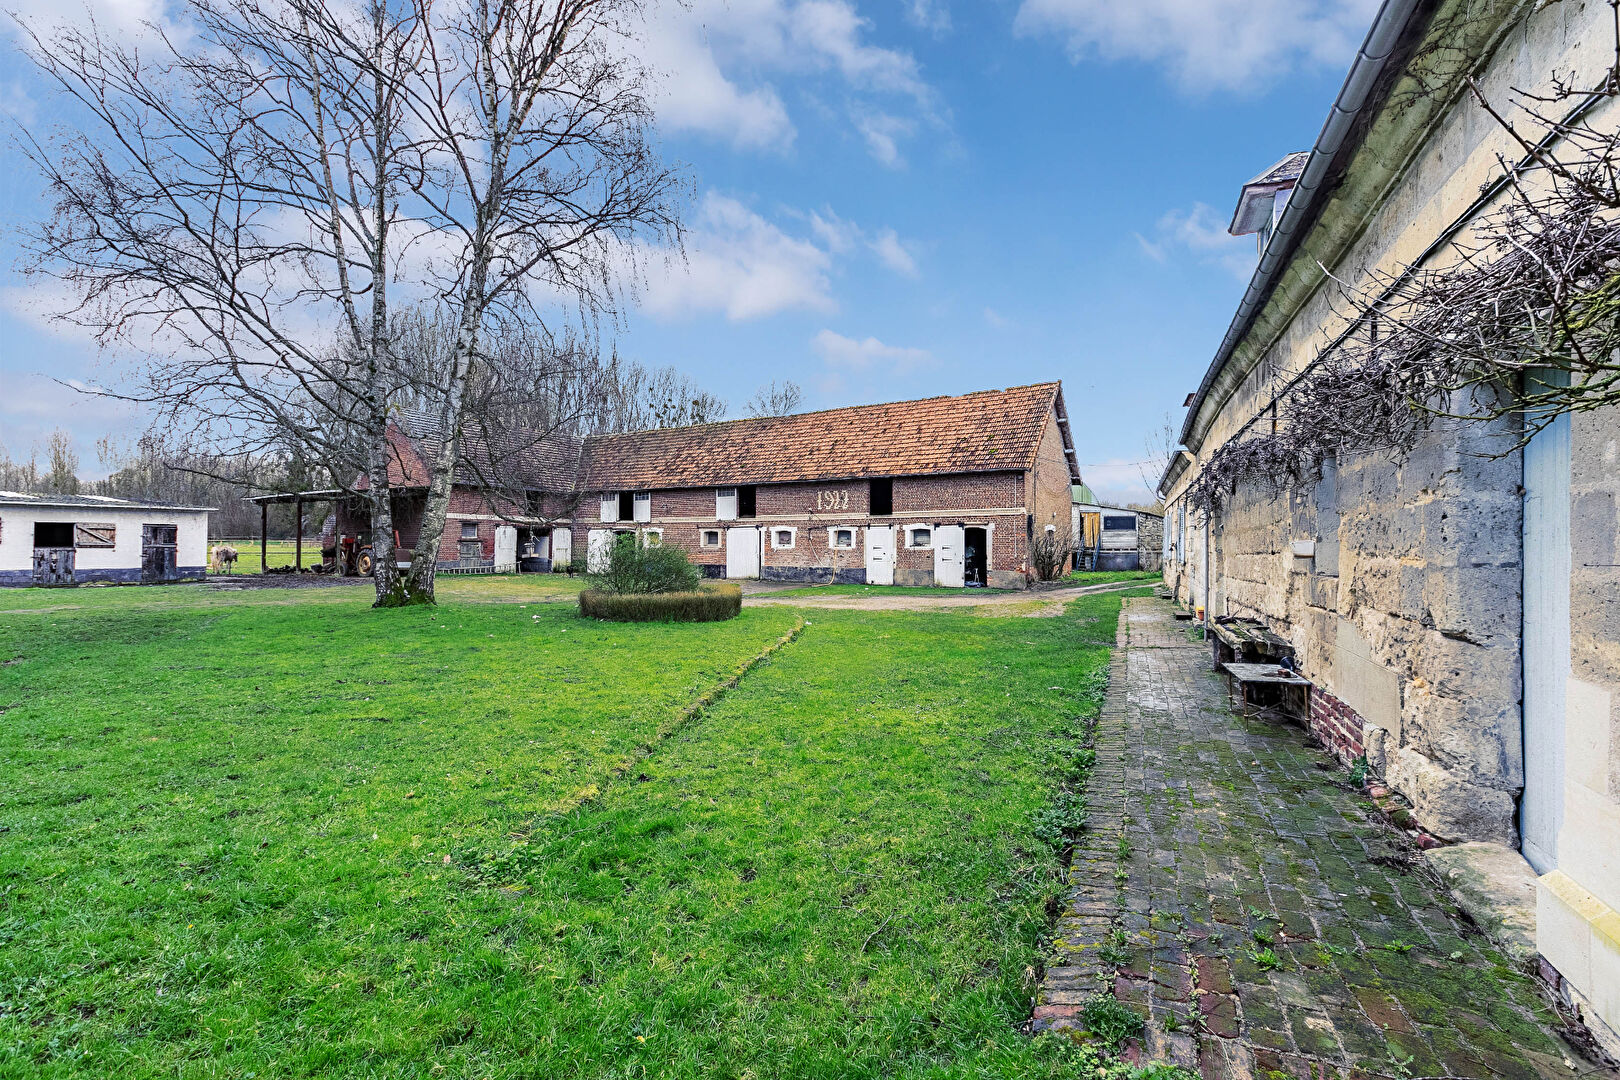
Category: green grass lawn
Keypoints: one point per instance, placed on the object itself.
(1107, 577)
(281, 833)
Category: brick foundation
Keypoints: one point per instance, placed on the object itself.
(1336, 725)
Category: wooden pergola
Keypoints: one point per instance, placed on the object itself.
(298, 499)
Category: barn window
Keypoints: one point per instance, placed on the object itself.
(725, 504)
(745, 501)
(627, 506)
(1121, 523)
(843, 539)
(53, 534)
(652, 538)
(711, 538)
(643, 506)
(610, 507)
(782, 538)
(880, 496)
(919, 536)
(469, 530)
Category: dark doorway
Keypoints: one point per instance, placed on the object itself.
(159, 553)
(975, 555)
(627, 506)
(53, 534)
(745, 501)
(53, 553)
(880, 497)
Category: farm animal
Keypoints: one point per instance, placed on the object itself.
(224, 561)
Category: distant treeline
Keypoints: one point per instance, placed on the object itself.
(144, 472)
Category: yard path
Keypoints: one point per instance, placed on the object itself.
(1046, 603)
(1229, 885)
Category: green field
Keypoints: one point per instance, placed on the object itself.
(280, 552)
(1108, 577)
(279, 833)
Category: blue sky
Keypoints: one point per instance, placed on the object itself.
(897, 198)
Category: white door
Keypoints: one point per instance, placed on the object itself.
(1546, 640)
(562, 547)
(598, 544)
(742, 553)
(880, 555)
(505, 549)
(948, 556)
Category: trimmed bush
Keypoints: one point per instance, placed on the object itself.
(699, 605)
(632, 568)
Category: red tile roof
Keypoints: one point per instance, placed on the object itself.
(988, 431)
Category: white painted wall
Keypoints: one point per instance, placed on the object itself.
(17, 535)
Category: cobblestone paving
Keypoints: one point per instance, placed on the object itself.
(1230, 886)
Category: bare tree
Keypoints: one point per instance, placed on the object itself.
(62, 477)
(1049, 552)
(241, 209)
(774, 400)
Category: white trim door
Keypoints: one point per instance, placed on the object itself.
(742, 553)
(948, 556)
(562, 547)
(1546, 655)
(880, 554)
(598, 544)
(505, 549)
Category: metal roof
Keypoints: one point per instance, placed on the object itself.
(105, 502)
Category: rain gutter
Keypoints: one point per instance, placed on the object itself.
(1314, 184)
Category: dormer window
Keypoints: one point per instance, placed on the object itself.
(1260, 206)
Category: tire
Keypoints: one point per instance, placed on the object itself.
(364, 563)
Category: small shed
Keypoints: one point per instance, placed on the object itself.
(1115, 537)
(84, 539)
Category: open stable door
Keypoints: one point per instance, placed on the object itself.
(948, 556)
(742, 553)
(880, 555)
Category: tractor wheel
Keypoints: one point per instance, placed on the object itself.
(363, 564)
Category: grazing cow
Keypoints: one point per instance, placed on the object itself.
(224, 561)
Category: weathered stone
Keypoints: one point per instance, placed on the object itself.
(1497, 887)
(1449, 806)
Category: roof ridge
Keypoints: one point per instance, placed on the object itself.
(1052, 384)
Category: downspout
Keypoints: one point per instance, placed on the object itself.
(1312, 186)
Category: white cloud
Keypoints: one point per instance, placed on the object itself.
(1200, 234)
(883, 133)
(719, 60)
(930, 15)
(839, 235)
(893, 253)
(1206, 44)
(1118, 482)
(996, 318)
(740, 264)
(694, 95)
(840, 351)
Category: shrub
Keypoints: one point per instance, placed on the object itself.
(706, 605)
(633, 569)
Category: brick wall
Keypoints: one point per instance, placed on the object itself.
(992, 500)
(1337, 725)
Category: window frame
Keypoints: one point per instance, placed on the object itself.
(719, 539)
(648, 535)
(641, 506)
(793, 537)
(610, 507)
(722, 511)
(1106, 518)
(854, 538)
(465, 525)
(911, 545)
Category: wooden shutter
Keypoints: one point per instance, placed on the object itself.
(94, 535)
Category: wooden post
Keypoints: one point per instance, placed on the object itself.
(264, 538)
(298, 536)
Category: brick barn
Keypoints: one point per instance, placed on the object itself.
(942, 491)
(945, 490)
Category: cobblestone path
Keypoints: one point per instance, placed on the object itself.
(1230, 886)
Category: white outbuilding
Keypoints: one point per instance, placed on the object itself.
(82, 539)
